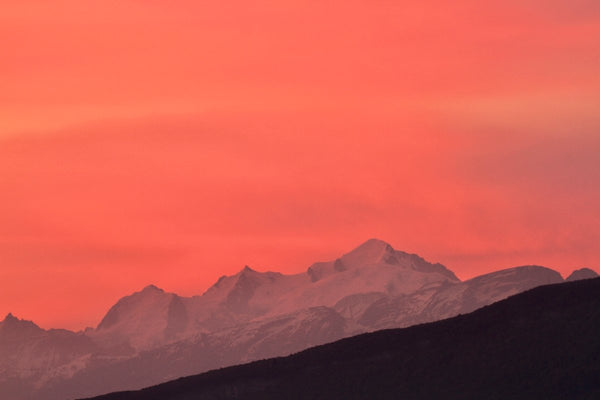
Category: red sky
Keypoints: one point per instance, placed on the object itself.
(174, 142)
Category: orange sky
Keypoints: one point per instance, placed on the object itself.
(174, 142)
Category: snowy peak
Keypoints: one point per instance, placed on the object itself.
(583, 273)
(378, 252)
(414, 262)
(241, 286)
(143, 319)
(129, 306)
(370, 253)
(247, 281)
(252, 290)
(225, 282)
(243, 296)
(373, 251)
(371, 270)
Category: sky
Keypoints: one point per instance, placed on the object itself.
(174, 142)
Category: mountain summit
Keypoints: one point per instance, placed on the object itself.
(13, 328)
(142, 320)
(373, 251)
(583, 273)
(9, 316)
(376, 252)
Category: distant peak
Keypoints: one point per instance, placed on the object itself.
(247, 272)
(377, 243)
(10, 317)
(221, 279)
(12, 322)
(582, 273)
(152, 288)
(371, 251)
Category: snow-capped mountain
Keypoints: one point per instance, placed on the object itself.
(373, 267)
(151, 336)
(142, 321)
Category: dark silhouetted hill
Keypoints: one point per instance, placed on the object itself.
(540, 344)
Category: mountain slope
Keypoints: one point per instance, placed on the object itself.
(143, 320)
(285, 334)
(583, 273)
(544, 343)
(31, 356)
(447, 299)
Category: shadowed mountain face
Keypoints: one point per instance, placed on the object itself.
(542, 344)
(142, 321)
(152, 336)
(31, 356)
(583, 273)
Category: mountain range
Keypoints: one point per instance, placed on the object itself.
(152, 336)
(541, 344)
